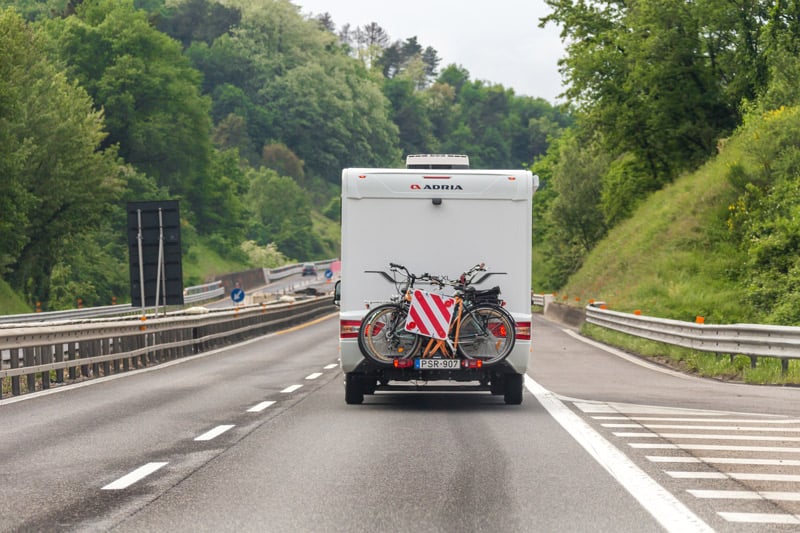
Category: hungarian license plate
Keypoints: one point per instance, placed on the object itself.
(437, 364)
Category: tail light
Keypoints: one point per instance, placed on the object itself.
(523, 331)
(348, 329)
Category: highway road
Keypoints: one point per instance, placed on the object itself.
(257, 437)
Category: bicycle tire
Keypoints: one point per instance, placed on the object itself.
(486, 334)
(382, 337)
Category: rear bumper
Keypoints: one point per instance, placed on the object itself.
(351, 360)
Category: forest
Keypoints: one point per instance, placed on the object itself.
(245, 111)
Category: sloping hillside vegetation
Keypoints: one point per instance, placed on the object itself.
(722, 242)
(243, 110)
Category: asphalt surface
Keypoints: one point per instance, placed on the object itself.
(279, 450)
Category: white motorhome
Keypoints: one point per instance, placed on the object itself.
(436, 216)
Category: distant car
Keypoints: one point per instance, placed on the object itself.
(309, 269)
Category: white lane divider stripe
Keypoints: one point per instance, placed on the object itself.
(705, 428)
(129, 479)
(739, 476)
(257, 408)
(715, 420)
(315, 375)
(745, 495)
(673, 515)
(711, 447)
(724, 460)
(290, 388)
(761, 518)
(214, 433)
(331, 366)
(701, 436)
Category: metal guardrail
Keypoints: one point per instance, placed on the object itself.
(196, 294)
(192, 295)
(753, 340)
(40, 353)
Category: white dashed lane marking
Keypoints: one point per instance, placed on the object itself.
(214, 433)
(257, 408)
(129, 479)
(290, 388)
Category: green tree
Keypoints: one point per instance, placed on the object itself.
(148, 90)
(637, 74)
(576, 221)
(279, 158)
(282, 215)
(57, 183)
(198, 20)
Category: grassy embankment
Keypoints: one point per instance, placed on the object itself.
(675, 259)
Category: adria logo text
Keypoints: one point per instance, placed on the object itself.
(416, 187)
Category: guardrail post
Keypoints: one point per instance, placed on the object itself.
(45, 357)
(59, 358)
(83, 353)
(784, 366)
(30, 360)
(71, 355)
(15, 385)
(105, 348)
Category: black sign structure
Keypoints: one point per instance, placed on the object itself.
(154, 249)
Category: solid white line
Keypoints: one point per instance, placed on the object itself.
(702, 436)
(214, 433)
(129, 479)
(725, 461)
(705, 428)
(697, 475)
(257, 408)
(745, 495)
(719, 420)
(330, 366)
(290, 388)
(665, 508)
(712, 447)
(761, 518)
(734, 475)
(315, 375)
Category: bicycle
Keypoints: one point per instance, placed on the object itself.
(382, 336)
(480, 331)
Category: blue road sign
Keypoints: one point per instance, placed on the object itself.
(328, 274)
(237, 295)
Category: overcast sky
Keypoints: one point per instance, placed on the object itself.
(498, 41)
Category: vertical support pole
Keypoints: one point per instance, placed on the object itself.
(140, 238)
(45, 358)
(30, 360)
(15, 385)
(161, 277)
(73, 373)
(59, 356)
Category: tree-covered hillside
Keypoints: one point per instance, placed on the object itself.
(243, 110)
(676, 190)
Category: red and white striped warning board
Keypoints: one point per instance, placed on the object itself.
(430, 314)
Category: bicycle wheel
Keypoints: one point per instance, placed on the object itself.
(487, 333)
(382, 337)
